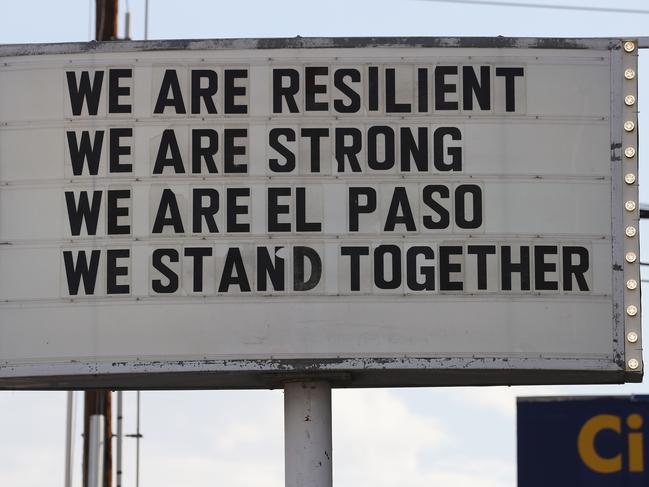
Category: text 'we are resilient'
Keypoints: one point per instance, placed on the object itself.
(409, 219)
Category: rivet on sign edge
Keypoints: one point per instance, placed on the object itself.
(629, 46)
(629, 152)
(631, 310)
(630, 257)
(632, 337)
(630, 231)
(629, 178)
(629, 205)
(629, 100)
(629, 73)
(631, 284)
(629, 126)
(633, 363)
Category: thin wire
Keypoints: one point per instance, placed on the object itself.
(498, 3)
(137, 444)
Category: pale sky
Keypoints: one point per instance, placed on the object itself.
(457, 437)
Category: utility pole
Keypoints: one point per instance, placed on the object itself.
(106, 20)
(97, 416)
(69, 439)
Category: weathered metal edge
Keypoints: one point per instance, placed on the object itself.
(270, 373)
(617, 217)
(93, 47)
(339, 378)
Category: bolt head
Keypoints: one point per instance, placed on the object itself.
(629, 178)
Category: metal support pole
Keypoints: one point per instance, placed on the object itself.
(127, 26)
(120, 437)
(96, 451)
(307, 434)
(146, 20)
(138, 437)
(98, 403)
(69, 439)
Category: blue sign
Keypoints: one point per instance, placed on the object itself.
(583, 441)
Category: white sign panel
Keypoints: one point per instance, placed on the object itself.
(379, 212)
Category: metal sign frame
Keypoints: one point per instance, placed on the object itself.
(624, 363)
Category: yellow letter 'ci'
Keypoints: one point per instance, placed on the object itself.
(635, 440)
(586, 444)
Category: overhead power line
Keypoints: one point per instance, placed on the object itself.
(547, 6)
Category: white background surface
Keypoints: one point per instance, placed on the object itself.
(570, 204)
